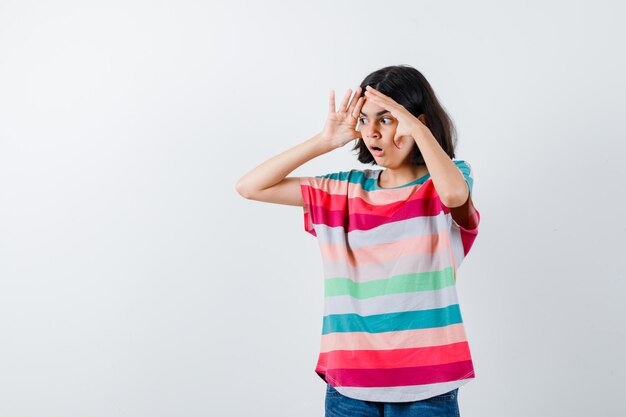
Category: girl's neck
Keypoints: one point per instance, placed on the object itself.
(395, 177)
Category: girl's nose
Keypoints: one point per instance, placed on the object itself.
(370, 131)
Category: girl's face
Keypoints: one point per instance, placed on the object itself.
(378, 128)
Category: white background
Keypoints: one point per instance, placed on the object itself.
(136, 282)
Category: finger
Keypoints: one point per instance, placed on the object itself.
(357, 108)
(373, 96)
(384, 102)
(374, 91)
(344, 103)
(331, 102)
(378, 94)
(354, 100)
(380, 101)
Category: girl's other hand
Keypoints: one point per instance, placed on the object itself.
(340, 125)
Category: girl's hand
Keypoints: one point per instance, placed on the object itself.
(340, 125)
(407, 123)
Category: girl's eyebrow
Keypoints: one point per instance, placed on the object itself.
(377, 114)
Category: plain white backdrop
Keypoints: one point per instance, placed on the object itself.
(136, 282)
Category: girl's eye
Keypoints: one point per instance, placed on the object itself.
(362, 120)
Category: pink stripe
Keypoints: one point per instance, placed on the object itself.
(390, 195)
(419, 375)
(417, 207)
(384, 214)
(468, 236)
(395, 358)
(332, 209)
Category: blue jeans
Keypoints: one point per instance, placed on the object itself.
(338, 405)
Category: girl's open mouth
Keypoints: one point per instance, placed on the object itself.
(376, 151)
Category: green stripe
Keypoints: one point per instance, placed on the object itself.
(419, 281)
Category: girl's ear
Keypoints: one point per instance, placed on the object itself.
(422, 118)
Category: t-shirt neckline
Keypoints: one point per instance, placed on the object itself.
(414, 182)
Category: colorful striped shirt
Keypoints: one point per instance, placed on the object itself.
(392, 329)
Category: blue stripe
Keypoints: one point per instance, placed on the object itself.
(389, 322)
(354, 176)
(466, 169)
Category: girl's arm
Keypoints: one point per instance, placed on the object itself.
(268, 181)
(446, 176)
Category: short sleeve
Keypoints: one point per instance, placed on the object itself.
(466, 218)
(466, 170)
(322, 197)
(308, 187)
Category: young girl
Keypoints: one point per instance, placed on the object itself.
(393, 341)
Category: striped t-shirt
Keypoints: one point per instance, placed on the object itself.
(392, 329)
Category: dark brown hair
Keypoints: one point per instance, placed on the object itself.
(408, 87)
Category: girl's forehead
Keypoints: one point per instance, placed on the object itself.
(370, 108)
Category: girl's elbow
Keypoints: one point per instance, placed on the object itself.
(242, 190)
(455, 200)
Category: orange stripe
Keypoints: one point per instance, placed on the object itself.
(392, 340)
(382, 252)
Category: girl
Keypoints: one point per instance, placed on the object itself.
(393, 341)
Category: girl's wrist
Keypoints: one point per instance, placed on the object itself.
(418, 131)
(321, 143)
